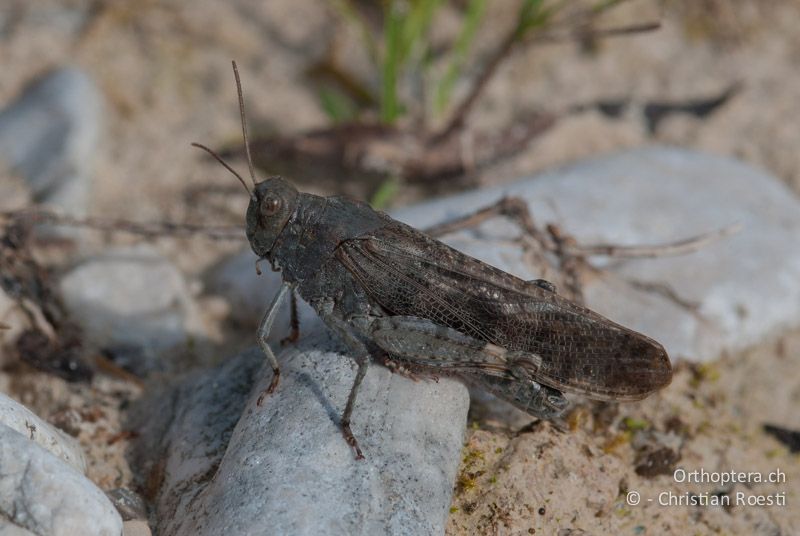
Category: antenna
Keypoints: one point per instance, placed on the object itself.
(244, 120)
(229, 168)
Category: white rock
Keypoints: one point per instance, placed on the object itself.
(7, 528)
(287, 468)
(19, 418)
(42, 494)
(49, 136)
(131, 297)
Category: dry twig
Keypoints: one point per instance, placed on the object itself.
(504, 51)
(571, 258)
(555, 240)
(52, 342)
(145, 229)
(679, 247)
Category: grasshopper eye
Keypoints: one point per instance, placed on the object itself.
(270, 206)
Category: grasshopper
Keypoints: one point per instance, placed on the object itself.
(386, 288)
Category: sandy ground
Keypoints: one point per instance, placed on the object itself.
(542, 480)
(164, 68)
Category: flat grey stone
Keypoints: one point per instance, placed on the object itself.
(42, 494)
(187, 428)
(19, 418)
(133, 300)
(287, 469)
(49, 136)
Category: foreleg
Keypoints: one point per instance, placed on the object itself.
(263, 332)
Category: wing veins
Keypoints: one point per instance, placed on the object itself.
(433, 292)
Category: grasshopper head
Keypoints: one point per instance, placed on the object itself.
(271, 205)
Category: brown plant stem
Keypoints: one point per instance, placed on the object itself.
(146, 229)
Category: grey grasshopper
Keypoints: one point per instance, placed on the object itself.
(389, 290)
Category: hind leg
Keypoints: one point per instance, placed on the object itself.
(528, 395)
(422, 343)
(407, 369)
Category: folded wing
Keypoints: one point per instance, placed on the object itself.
(546, 336)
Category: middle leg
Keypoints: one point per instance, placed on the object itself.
(361, 357)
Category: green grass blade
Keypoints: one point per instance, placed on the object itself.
(348, 12)
(385, 192)
(532, 14)
(394, 20)
(417, 23)
(337, 105)
(406, 23)
(472, 19)
(605, 5)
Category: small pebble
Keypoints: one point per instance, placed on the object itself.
(133, 302)
(128, 503)
(136, 527)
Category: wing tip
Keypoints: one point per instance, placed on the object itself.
(655, 375)
(651, 372)
(663, 368)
